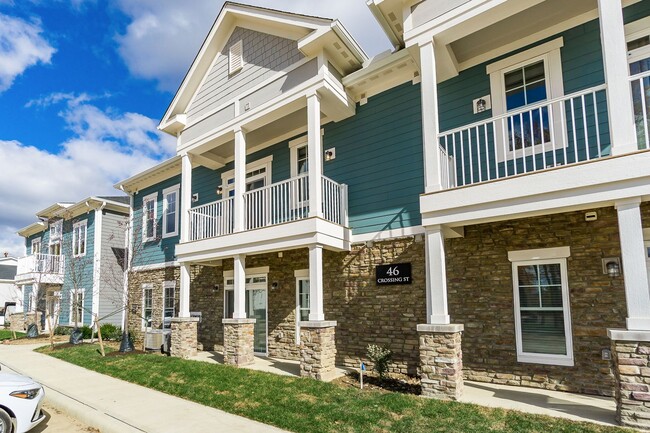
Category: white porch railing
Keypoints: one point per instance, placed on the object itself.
(212, 219)
(640, 85)
(278, 203)
(552, 133)
(41, 263)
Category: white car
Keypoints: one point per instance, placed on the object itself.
(20, 403)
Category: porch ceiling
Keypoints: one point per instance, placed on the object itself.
(514, 28)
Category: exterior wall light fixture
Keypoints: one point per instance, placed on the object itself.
(612, 266)
(274, 285)
(220, 190)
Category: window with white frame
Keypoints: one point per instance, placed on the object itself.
(170, 211)
(542, 312)
(147, 304)
(56, 231)
(258, 175)
(36, 246)
(302, 299)
(637, 36)
(77, 306)
(236, 57)
(169, 302)
(298, 154)
(149, 214)
(527, 79)
(79, 231)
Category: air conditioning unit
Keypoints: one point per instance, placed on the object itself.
(158, 339)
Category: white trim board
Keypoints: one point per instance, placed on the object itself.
(155, 266)
(248, 271)
(539, 254)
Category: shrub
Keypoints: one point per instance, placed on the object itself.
(380, 357)
(110, 331)
(62, 330)
(86, 332)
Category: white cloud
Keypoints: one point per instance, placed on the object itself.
(105, 147)
(165, 35)
(21, 46)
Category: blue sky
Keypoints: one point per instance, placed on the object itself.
(83, 84)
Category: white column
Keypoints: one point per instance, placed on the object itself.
(314, 156)
(430, 124)
(186, 196)
(184, 307)
(634, 264)
(619, 97)
(240, 181)
(239, 288)
(316, 311)
(436, 276)
(36, 287)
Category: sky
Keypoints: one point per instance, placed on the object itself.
(84, 83)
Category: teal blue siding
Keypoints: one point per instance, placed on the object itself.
(379, 157)
(78, 270)
(582, 68)
(161, 249)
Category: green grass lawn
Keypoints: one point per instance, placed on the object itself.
(305, 405)
(6, 334)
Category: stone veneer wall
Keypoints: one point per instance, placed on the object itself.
(366, 314)
(632, 366)
(480, 295)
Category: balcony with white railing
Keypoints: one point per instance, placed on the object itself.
(41, 268)
(556, 154)
(277, 204)
(555, 133)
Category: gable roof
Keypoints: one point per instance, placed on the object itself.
(312, 33)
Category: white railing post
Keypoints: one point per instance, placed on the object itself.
(620, 112)
(344, 206)
(314, 155)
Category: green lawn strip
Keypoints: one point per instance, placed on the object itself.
(305, 405)
(6, 334)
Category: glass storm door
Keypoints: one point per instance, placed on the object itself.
(639, 61)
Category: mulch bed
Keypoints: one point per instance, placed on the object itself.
(392, 383)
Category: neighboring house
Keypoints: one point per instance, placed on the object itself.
(498, 157)
(72, 269)
(10, 295)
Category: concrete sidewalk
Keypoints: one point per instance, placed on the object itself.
(115, 406)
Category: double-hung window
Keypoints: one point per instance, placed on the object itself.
(147, 304)
(56, 231)
(541, 299)
(36, 246)
(637, 35)
(79, 231)
(299, 167)
(519, 85)
(169, 305)
(77, 306)
(149, 213)
(302, 299)
(170, 211)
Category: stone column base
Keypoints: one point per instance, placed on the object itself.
(238, 341)
(20, 321)
(441, 361)
(184, 337)
(318, 349)
(631, 357)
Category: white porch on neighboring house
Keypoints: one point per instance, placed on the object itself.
(40, 268)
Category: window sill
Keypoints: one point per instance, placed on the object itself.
(563, 361)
